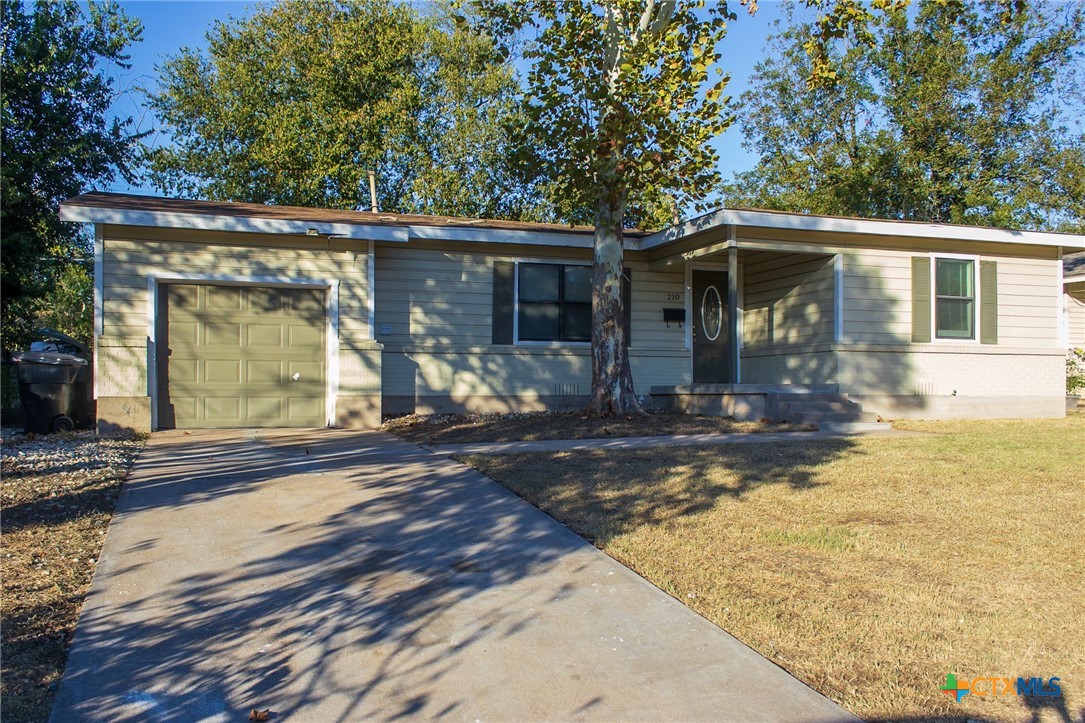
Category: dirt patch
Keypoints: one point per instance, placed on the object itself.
(540, 426)
(58, 493)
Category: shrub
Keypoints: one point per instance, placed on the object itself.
(1075, 371)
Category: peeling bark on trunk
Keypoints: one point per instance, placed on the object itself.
(612, 380)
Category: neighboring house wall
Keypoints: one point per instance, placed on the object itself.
(133, 254)
(435, 319)
(1074, 301)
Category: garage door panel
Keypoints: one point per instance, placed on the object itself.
(184, 333)
(234, 350)
(223, 297)
(305, 372)
(304, 336)
(302, 408)
(264, 407)
(266, 335)
(184, 408)
(223, 409)
(219, 371)
(268, 301)
(183, 297)
(222, 334)
(305, 300)
(183, 370)
(264, 372)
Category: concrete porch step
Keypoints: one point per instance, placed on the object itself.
(818, 408)
(814, 417)
(814, 406)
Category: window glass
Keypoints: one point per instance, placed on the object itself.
(576, 322)
(578, 283)
(540, 322)
(955, 304)
(554, 302)
(954, 278)
(539, 282)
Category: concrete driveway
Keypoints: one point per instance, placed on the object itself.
(331, 575)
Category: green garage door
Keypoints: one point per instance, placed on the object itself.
(242, 356)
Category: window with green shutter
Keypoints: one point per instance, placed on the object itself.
(956, 298)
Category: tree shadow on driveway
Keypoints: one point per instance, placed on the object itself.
(322, 573)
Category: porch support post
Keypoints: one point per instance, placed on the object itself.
(732, 306)
(838, 298)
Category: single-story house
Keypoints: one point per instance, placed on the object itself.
(234, 315)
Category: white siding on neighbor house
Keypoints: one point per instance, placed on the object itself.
(1075, 316)
(132, 254)
(787, 299)
(434, 314)
(878, 298)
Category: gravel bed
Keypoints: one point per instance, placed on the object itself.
(58, 492)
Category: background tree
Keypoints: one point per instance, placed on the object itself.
(965, 117)
(296, 103)
(56, 143)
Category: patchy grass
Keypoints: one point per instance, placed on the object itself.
(867, 567)
(538, 426)
(58, 494)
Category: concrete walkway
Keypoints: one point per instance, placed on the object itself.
(674, 440)
(335, 576)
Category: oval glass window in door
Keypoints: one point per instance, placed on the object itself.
(712, 313)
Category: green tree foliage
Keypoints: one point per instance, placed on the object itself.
(970, 117)
(298, 102)
(621, 102)
(56, 142)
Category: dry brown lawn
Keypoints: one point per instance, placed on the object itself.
(537, 426)
(58, 494)
(867, 567)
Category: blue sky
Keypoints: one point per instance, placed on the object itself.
(169, 25)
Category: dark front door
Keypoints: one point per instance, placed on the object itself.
(711, 328)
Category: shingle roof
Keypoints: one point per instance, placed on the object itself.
(131, 202)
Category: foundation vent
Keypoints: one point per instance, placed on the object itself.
(924, 388)
(566, 389)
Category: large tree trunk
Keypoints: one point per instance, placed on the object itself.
(612, 380)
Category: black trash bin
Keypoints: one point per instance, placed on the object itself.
(47, 389)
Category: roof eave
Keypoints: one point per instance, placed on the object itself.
(873, 227)
(361, 231)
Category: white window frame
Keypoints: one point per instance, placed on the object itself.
(516, 341)
(975, 298)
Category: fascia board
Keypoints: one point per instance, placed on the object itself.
(874, 227)
(242, 224)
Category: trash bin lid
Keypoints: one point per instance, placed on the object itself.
(46, 357)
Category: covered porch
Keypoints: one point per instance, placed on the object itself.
(759, 312)
(765, 318)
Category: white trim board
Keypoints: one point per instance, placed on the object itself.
(874, 227)
(242, 224)
(360, 231)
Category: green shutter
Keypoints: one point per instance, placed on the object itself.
(988, 302)
(921, 299)
(504, 303)
(627, 304)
